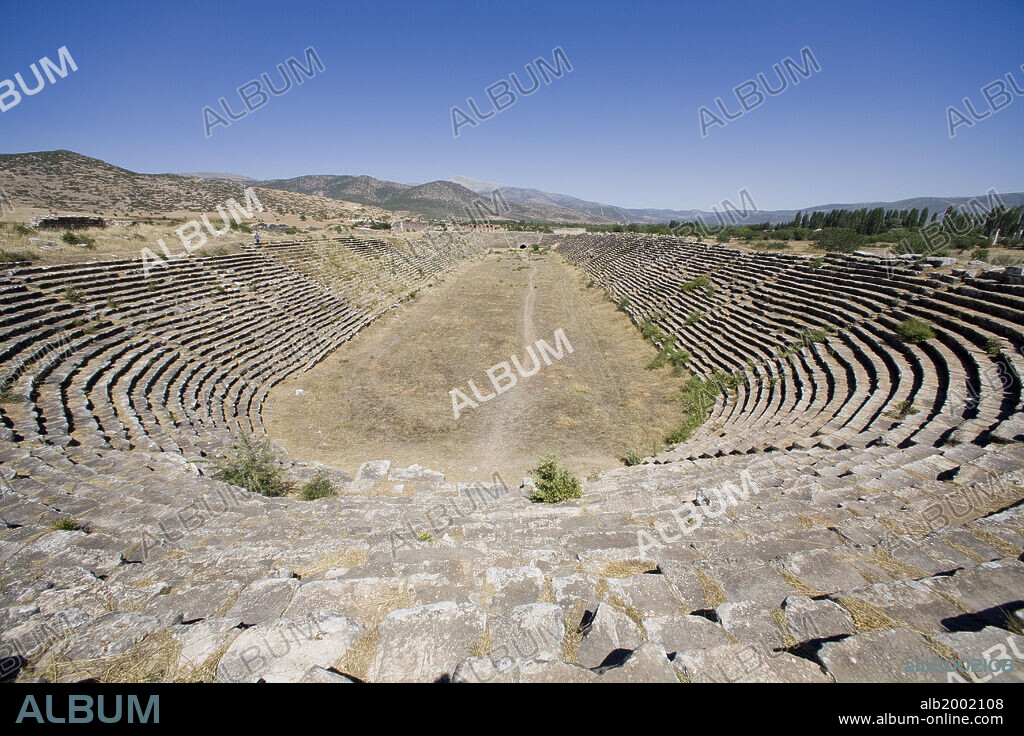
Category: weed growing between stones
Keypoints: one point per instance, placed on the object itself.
(914, 330)
(554, 483)
(250, 464)
(319, 486)
(67, 524)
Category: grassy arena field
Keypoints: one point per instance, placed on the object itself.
(386, 394)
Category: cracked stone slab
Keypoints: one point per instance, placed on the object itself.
(649, 595)
(908, 602)
(263, 601)
(685, 582)
(647, 663)
(360, 598)
(415, 474)
(485, 669)
(109, 635)
(990, 644)
(609, 632)
(822, 571)
(373, 470)
(750, 622)
(321, 675)
(513, 587)
(990, 584)
(879, 656)
(685, 633)
(575, 593)
(284, 651)
(426, 643)
(534, 631)
(807, 618)
(204, 639)
(195, 601)
(746, 663)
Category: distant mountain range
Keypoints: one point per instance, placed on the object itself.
(64, 179)
(610, 213)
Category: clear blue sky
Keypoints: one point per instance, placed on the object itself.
(621, 128)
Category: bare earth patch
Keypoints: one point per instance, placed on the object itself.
(385, 395)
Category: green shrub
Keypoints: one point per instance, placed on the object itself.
(250, 464)
(14, 256)
(903, 409)
(994, 346)
(668, 352)
(67, 524)
(914, 330)
(75, 239)
(816, 335)
(701, 282)
(980, 254)
(24, 230)
(913, 241)
(839, 240)
(72, 295)
(817, 262)
(693, 317)
(319, 486)
(633, 457)
(554, 483)
(698, 398)
(650, 330)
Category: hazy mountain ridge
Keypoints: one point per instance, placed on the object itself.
(525, 197)
(64, 180)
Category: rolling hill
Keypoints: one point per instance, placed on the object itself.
(68, 181)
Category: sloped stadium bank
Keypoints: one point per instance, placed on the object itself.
(888, 525)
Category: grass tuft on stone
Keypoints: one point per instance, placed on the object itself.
(319, 486)
(250, 464)
(554, 483)
(914, 330)
(67, 524)
(994, 346)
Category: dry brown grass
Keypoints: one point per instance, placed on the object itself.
(797, 584)
(714, 596)
(573, 635)
(1004, 547)
(867, 617)
(359, 657)
(348, 557)
(896, 568)
(154, 659)
(386, 394)
(626, 568)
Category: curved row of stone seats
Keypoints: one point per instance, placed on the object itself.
(814, 558)
(864, 545)
(178, 360)
(896, 393)
(382, 264)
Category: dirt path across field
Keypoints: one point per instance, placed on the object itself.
(386, 394)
